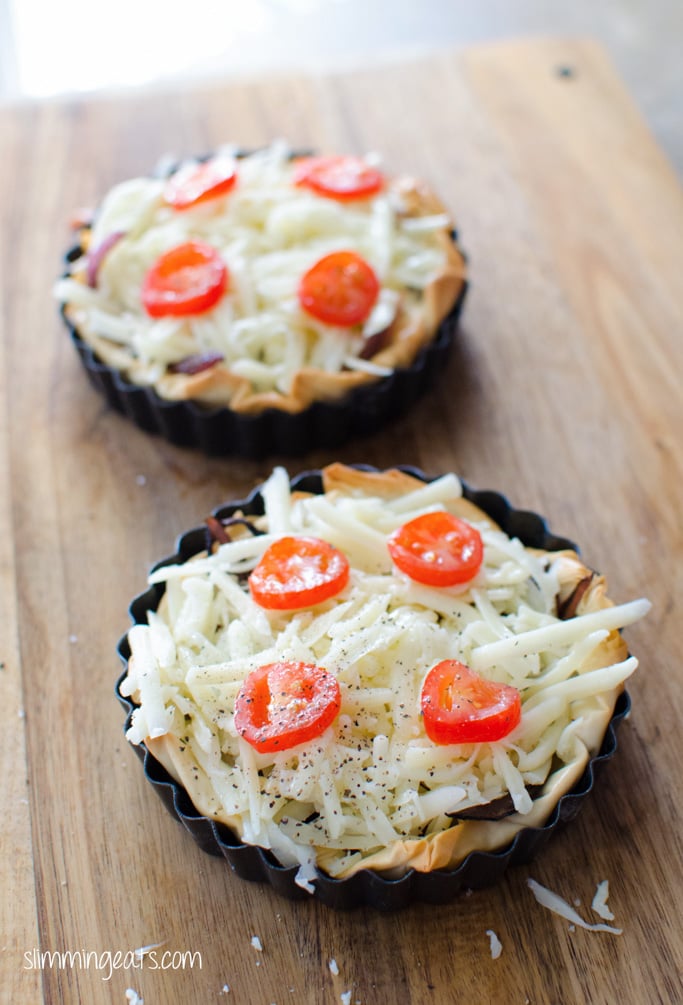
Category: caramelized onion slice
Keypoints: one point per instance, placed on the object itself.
(197, 363)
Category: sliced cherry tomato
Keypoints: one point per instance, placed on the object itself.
(296, 572)
(196, 183)
(339, 177)
(188, 279)
(459, 706)
(340, 289)
(284, 704)
(437, 549)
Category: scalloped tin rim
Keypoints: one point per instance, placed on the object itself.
(479, 869)
(324, 424)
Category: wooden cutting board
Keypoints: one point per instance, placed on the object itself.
(564, 391)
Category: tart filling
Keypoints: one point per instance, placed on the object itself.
(307, 728)
(242, 282)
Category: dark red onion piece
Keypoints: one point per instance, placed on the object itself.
(96, 255)
(197, 362)
(217, 530)
(496, 809)
(568, 609)
(375, 343)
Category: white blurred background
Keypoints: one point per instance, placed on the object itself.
(54, 47)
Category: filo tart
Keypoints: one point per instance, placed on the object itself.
(373, 793)
(257, 348)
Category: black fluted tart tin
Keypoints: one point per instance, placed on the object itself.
(366, 887)
(221, 431)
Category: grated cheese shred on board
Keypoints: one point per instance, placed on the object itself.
(599, 902)
(555, 903)
(495, 944)
(373, 778)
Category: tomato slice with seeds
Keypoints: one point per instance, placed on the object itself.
(339, 177)
(189, 279)
(340, 289)
(297, 572)
(437, 549)
(459, 706)
(284, 704)
(197, 183)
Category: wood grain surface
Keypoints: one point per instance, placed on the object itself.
(563, 391)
